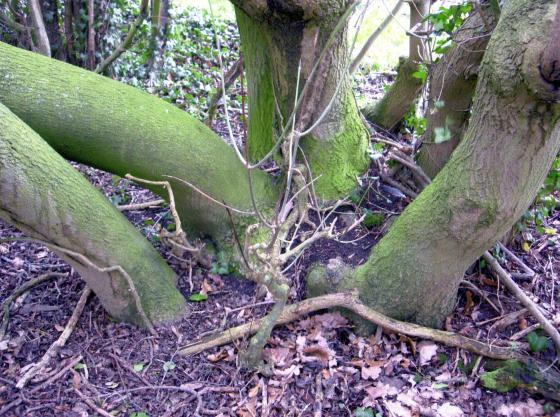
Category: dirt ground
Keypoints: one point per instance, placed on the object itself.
(321, 366)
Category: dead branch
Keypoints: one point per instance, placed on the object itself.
(351, 302)
(59, 343)
(140, 206)
(369, 42)
(18, 292)
(233, 73)
(524, 299)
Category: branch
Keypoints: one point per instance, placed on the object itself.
(43, 44)
(18, 292)
(374, 36)
(127, 40)
(523, 298)
(59, 343)
(352, 303)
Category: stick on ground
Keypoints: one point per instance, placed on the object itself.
(351, 302)
(59, 343)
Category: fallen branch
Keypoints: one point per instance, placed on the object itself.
(59, 343)
(140, 206)
(524, 299)
(18, 292)
(351, 302)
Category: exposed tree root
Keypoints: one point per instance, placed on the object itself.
(351, 302)
(506, 279)
(59, 343)
(18, 292)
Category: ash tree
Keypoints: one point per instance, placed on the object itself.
(503, 100)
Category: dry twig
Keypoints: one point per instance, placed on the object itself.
(59, 343)
(351, 302)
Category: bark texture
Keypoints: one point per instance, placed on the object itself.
(117, 128)
(282, 41)
(41, 194)
(452, 85)
(490, 180)
(41, 38)
(391, 109)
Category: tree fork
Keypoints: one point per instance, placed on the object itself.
(285, 53)
(42, 195)
(492, 177)
(108, 125)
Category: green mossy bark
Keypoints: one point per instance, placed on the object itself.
(42, 194)
(103, 123)
(512, 374)
(391, 109)
(259, 86)
(281, 44)
(492, 177)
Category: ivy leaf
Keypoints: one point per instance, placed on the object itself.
(169, 366)
(198, 297)
(138, 367)
(536, 342)
(363, 412)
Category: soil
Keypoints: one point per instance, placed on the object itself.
(321, 366)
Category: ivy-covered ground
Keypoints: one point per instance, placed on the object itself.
(321, 366)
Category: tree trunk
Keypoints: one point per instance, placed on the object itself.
(280, 41)
(492, 177)
(90, 35)
(452, 85)
(41, 37)
(117, 128)
(391, 109)
(41, 194)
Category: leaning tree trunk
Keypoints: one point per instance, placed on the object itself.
(397, 101)
(452, 85)
(108, 125)
(41, 194)
(284, 41)
(490, 180)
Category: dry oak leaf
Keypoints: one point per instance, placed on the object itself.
(427, 351)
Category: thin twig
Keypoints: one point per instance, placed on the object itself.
(351, 302)
(369, 42)
(524, 299)
(18, 292)
(59, 343)
(125, 44)
(140, 206)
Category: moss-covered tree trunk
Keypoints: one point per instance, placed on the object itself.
(452, 86)
(491, 178)
(108, 125)
(282, 41)
(393, 106)
(41, 194)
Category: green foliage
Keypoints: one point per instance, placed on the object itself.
(365, 412)
(445, 22)
(537, 343)
(198, 297)
(414, 123)
(139, 414)
(545, 204)
(373, 219)
(221, 265)
(187, 72)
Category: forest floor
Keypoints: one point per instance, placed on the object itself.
(321, 366)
